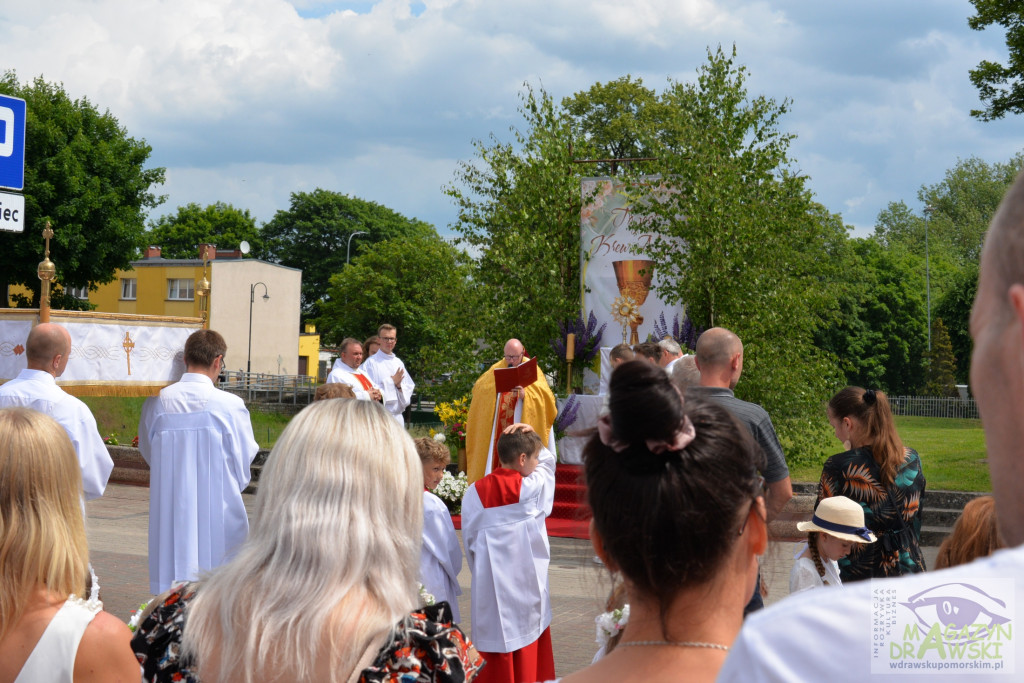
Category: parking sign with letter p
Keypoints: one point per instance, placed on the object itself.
(12, 142)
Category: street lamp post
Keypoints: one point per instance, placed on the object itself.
(348, 251)
(927, 274)
(252, 298)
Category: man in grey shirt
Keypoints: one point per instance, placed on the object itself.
(720, 361)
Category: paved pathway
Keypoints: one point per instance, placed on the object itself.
(117, 530)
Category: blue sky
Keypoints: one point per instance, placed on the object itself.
(247, 101)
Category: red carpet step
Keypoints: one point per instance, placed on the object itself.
(570, 517)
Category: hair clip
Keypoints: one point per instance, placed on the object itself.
(869, 397)
(680, 440)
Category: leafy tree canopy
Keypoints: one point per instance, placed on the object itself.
(617, 119)
(754, 255)
(85, 175)
(1000, 87)
(422, 285)
(180, 234)
(313, 234)
(519, 207)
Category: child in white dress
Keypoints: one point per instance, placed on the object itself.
(440, 554)
(837, 524)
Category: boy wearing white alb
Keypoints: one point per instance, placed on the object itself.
(440, 554)
(507, 547)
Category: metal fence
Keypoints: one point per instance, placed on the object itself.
(934, 406)
(267, 388)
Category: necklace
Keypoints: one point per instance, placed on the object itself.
(677, 643)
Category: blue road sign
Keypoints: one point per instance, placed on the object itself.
(12, 142)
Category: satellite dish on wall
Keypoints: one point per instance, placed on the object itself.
(244, 247)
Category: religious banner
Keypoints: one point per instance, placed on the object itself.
(618, 283)
(112, 354)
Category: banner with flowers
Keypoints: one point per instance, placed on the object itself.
(618, 284)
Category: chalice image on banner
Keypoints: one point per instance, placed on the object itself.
(633, 279)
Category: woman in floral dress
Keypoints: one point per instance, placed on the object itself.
(325, 587)
(883, 476)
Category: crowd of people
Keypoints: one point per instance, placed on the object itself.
(330, 582)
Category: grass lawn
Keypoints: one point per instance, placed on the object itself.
(952, 453)
(119, 417)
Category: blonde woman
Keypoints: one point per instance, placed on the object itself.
(48, 630)
(325, 588)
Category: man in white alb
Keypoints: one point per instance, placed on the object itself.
(47, 350)
(388, 372)
(347, 371)
(199, 444)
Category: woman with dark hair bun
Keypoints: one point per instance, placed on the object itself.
(679, 513)
(883, 476)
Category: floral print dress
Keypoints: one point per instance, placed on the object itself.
(425, 646)
(894, 515)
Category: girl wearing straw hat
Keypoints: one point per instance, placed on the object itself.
(837, 524)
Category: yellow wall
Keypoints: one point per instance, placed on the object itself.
(309, 348)
(150, 290)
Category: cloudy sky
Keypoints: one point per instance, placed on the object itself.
(246, 101)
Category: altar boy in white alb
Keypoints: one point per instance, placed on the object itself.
(507, 547)
(347, 371)
(388, 372)
(199, 444)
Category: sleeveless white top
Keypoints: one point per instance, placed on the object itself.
(53, 658)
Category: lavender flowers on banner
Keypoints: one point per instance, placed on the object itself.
(685, 334)
(566, 416)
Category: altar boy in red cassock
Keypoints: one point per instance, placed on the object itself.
(507, 548)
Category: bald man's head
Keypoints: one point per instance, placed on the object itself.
(514, 352)
(47, 348)
(719, 358)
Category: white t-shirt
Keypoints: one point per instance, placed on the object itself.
(829, 635)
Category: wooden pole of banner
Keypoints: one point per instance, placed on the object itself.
(570, 356)
(46, 272)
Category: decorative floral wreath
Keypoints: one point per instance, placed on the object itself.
(610, 624)
(625, 310)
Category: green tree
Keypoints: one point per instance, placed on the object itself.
(85, 175)
(519, 207)
(939, 363)
(313, 234)
(1000, 87)
(756, 247)
(955, 309)
(617, 119)
(880, 335)
(180, 234)
(423, 286)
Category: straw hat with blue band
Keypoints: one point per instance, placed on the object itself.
(840, 517)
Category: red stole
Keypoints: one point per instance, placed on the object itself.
(500, 487)
(367, 384)
(506, 417)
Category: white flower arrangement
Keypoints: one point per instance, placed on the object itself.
(425, 597)
(610, 624)
(452, 489)
(439, 437)
(133, 622)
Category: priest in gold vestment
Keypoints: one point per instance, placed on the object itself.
(490, 413)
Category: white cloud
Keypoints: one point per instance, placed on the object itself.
(246, 101)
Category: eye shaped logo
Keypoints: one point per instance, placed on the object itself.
(964, 612)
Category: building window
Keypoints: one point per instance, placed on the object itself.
(180, 289)
(128, 288)
(78, 292)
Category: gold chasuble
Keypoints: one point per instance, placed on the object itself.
(538, 411)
